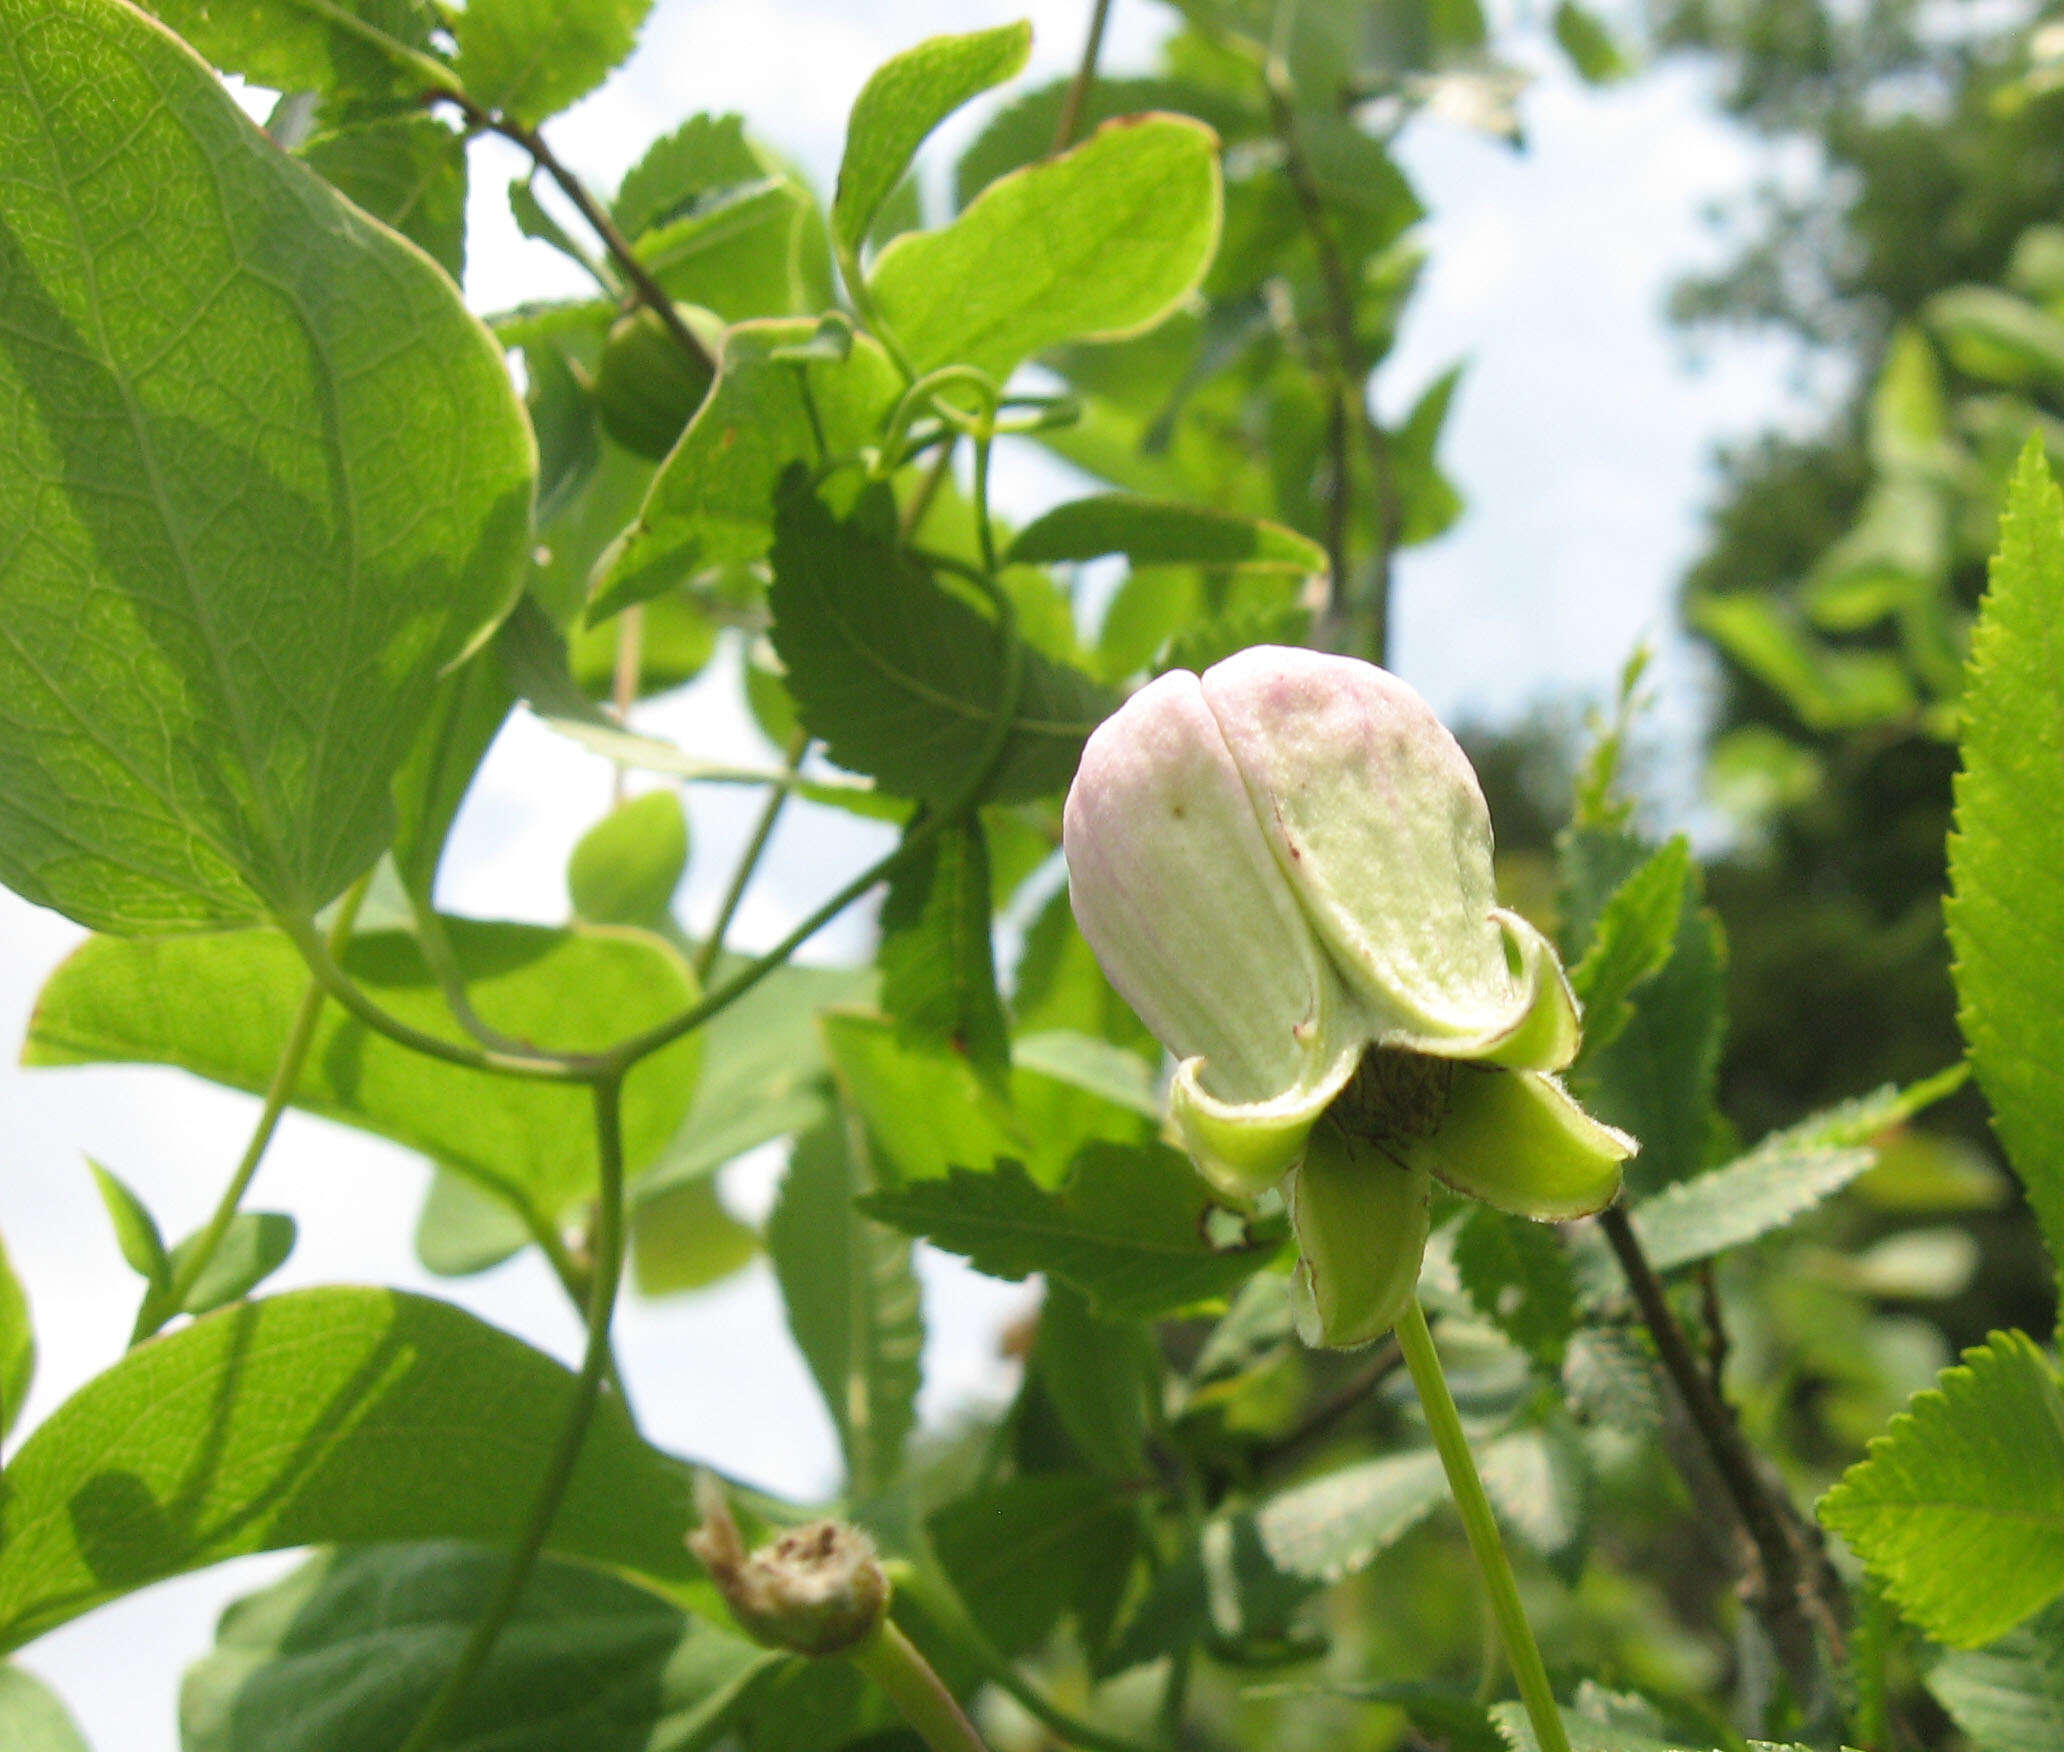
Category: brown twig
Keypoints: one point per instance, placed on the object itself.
(1795, 1593)
(649, 291)
(1077, 96)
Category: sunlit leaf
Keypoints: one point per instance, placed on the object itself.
(531, 58)
(319, 1417)
(221, 1006)
(2006, 911)
(278, 476)
(1098, 243)
(1958, 1508)
(902, 102)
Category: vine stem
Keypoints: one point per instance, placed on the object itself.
(1424, 1364)
(749, 860)
(155, 1311)
(587, 1388)
(893, 1662)
(1077, 98)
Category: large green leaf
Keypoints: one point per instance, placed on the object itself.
(342, 1656)
(531, 58)
(902, 103)
(220, 1006)
(1161, 532)
(17, 1344)
(1101, 242)
(901, 680)
(852, 1303)
(32, 1719)
(713, 498)
(1959, 1506)
(277, 477)
(1128, 1230)
(2006, 857)
(2009, 1696)
(321, 1417)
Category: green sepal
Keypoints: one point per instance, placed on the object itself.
(1361, 1217)
(1516, 1140)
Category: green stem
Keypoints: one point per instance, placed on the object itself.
(587, 1388)
(944, 1612)
(1423, 1361)
(893, 1662)
(748, 862)
(1085, 76)
(536, 1067)
(155, 1311)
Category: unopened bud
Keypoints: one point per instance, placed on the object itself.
(817, 1590)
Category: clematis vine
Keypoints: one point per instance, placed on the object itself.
(1284, 866)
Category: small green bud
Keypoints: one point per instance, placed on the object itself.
(647, 385)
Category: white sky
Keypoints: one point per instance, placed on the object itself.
(1579, 440)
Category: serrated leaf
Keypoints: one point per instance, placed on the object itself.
(408, 172)
(1160, 532)
(902, 681)
(136, 1230)
(1611, 1381)
(254, 1246)
(852, 1302)
(2006, 907)
(221, 1006)
(1023, 1552)
(1751, 1197)
(937, 958)
(318, 1417)
(343, 1655)
(1783, 1177)
(713, 498)
(1520, 1278)
(704, 153)
(31, 1717)
(904, 100)
(2008, 1696)
(1101, 242)
(1632, 942)
(1958, 1508)
(532, 58)
(292, 47)
(625, 868)
(279, 479)
(17, 1345)
(1658, 1078)
(1127, 1230)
